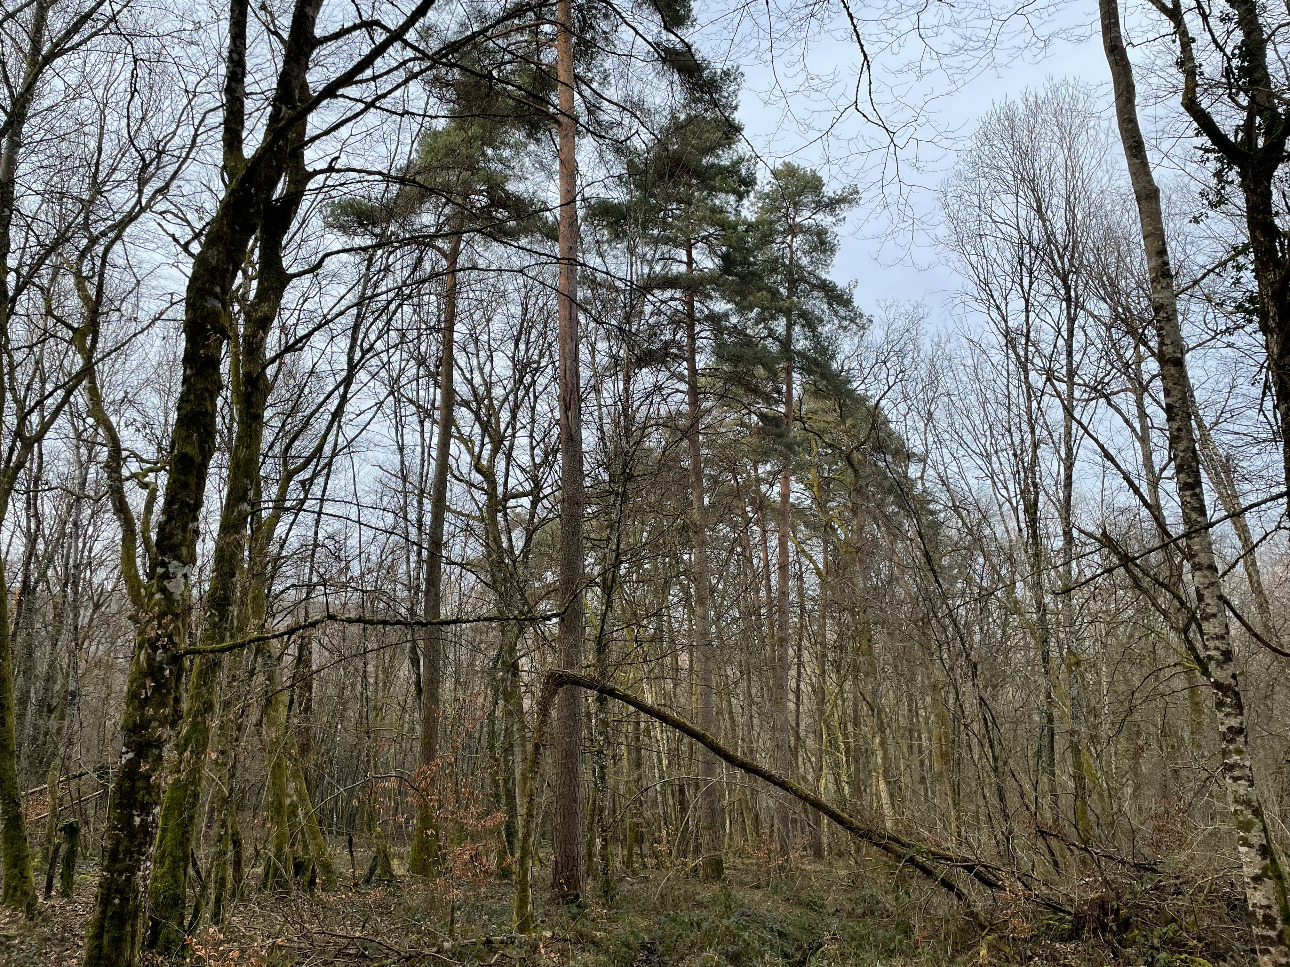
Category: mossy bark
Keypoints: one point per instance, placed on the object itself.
(161, 613)
(239, 679)
(52, 845)
(19, 892)
(19, 889)
(380, 868)
(220, 874)
(278, 864)
(311, 829)
(513, 734)
(71, 849)
(250, 379)
(251, 386)
(524, 918)
(168, 886)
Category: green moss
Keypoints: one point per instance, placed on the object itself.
(423, 858)
(309, 820)
(19, 892)
(71, 846)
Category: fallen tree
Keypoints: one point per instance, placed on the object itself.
(941, 866)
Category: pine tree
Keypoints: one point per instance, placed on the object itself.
(683, 196)
(787, 300)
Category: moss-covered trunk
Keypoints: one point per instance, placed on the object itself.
(153, 684)
(239, 677)
(250, 381)
(19, 890)
(279, 863)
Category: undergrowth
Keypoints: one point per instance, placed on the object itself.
(809, 916)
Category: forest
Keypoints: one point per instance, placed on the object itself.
(644, 482)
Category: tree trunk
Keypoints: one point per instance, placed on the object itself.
(19, 886)
(783, 738)
(152, 692)
(1081, 769)
(424, 854)
(1264, 882)
(239, 676)
(179, 809)
(279, 862)
(567, 868)
(1222, 478)
(19, 891)
(711, 822)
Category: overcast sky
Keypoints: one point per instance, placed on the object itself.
(891, 255)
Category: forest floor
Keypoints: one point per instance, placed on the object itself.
(812, 916)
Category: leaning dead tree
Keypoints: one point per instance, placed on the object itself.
(944, 867)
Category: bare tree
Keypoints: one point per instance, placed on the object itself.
(1265, 888)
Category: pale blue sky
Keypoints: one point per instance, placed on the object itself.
(891, 255)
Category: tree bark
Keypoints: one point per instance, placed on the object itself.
(711, 822)
(152, 692)
(567, 868)
(19, 890)
(424, 855)
(1264, 881)
(179, 810)
(783, 738)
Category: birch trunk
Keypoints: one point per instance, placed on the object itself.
(1264, 882)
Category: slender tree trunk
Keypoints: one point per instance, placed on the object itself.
(32, 728)
(1037, 562)
(1081, 770)
(821, 699)
(942, 755)
(424, 855)
(513, 734)
(1264, 881)
(711, 822)
(567, 869)
(19, 891)
(510, 600)
(302, 691)
(1221, 477)
(295, 834)
(234, 705)
(19, 886)
(279, 864)
(783, 738)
